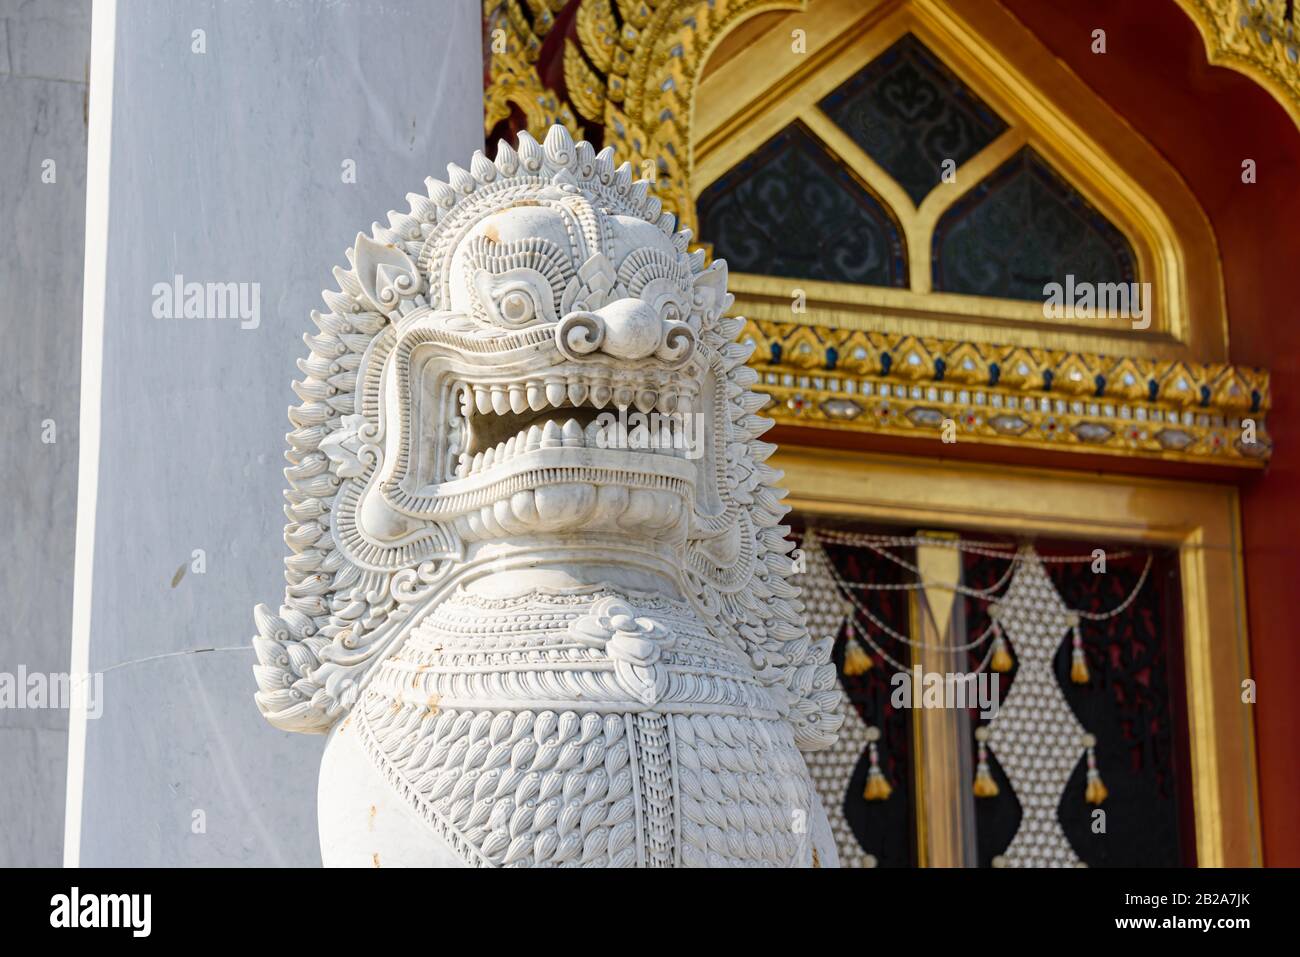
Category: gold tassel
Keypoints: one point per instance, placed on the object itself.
(877, 788)
(1079, 667)
(1078, 663)
(856, 659)
(985, 786)
(1095, 792)
(1001, 656)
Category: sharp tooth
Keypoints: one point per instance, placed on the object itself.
(518, 401)
(601, 394)
(510, 446)
(555, 392)
(684, 405)
(482, 400)
(572, 434)
(477, 463)
(578, 393)
(623, 396)
(536, 396)
(489, 457)
(500, 401)
(645, 399)
(667, 401)
(534, 438)
(551, 435)
(592, 434)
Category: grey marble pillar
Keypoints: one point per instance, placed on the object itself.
(44, 49)
(250, 141)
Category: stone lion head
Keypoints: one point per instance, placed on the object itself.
(532, 352)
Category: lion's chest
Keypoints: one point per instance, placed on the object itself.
(524, 740)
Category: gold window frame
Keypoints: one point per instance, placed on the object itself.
(1200, 520)
(755, 92)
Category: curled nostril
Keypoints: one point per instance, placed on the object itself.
(678, 343)
(580, 334)
(625, 329)
(633, 329)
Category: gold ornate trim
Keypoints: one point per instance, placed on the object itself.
(516, 42)
(898, 384)
(1200, 520)
(1255, 38)
(638, 82)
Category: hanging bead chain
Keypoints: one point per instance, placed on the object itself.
(1078, 664)
(853, 599)
(957, 587)
(1104, 615)
(846, 590)
(987, 549)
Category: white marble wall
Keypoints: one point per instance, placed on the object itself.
(44, 47)
(227, 166)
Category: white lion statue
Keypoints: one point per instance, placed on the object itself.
(538, 592)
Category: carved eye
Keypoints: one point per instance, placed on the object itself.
(672, 313)
(515, 299)
(517, 303)
(517, 307)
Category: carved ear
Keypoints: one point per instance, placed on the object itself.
(710, 297)
(386, 274)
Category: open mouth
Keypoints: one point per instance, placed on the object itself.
(570, 410)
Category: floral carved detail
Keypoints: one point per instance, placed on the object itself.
(633, 644)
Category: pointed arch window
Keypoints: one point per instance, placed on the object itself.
(798, 207)
(1024, 227)
(911, 114)
(791, 210)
